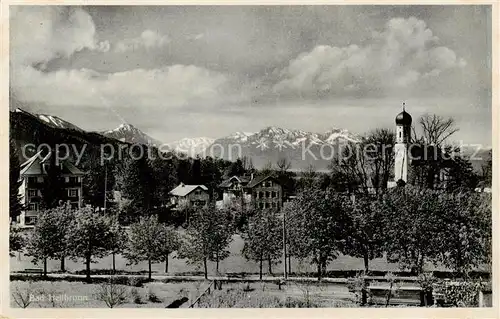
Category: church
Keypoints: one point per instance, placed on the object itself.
(408, 156)
(401, 148)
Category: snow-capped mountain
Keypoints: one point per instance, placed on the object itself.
(191, 146)
(302, 148)
(130, 134)
(52, 120)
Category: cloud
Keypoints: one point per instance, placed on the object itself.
(43, 33)
(47, 33)
(147, 40)
(401, 57)
(167, 87)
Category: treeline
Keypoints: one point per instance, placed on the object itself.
(413, 227)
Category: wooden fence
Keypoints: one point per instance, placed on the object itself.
(214, 285)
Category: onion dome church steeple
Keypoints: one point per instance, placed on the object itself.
(403, 118)
(403, 137)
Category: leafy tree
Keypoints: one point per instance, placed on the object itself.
(14, 182)
(16, 240)
(467, 229)
(486, 171)
(64, 214)
(285, 177)
(117, 240)
(143, 241)
(236, 168)
(207, 237)
(364, 236)
(222, 231)
(89, 236)
(317, 222)
(263, 239)
(168, 242)
(461, 175)
(412, 219)
(50, 237)
(98, 179)
(137, 183)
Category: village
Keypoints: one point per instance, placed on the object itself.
(253, 219)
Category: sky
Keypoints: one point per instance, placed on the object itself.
(191, 71)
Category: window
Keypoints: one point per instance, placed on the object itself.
(274, 204)
(30, 220)
(261, 205)
(261, 194)
(199, 203)
(267, 194)
(39, 179)
(73, 192)
(73, 180)
(32, 193)
(33, 206)
(273, 195)
(267, 205)
(32, 180)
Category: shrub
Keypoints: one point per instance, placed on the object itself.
(152, 296)
(121, 280)
(462, 293)
(111, 293)
(136, 296)
(137, 281)
(22, 297)
(359, 286)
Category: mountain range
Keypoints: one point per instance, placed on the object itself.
(267, 146)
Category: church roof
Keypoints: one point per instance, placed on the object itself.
(403, 118)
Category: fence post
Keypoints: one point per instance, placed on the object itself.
(480, 298)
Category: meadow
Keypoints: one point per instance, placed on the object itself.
(65, 294)
(235, 263)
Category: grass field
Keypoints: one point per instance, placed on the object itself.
(234, 263)
(64, 294)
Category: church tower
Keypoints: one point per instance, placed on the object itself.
(403, 138)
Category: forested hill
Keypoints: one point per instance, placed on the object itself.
(26, 128)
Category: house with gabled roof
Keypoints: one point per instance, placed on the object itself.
(266, 192)
(189, 196)
(234, 191)
(34, 174)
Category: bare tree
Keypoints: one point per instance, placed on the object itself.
(283, 164)
(437, 129)
(380, 157)
(431, 147)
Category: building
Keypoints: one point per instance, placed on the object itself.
(234, 191)
(266, 192)
(403, 138)
(189, 196)
(33, 175)
(408, 158)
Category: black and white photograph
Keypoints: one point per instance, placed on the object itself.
(250, 156)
